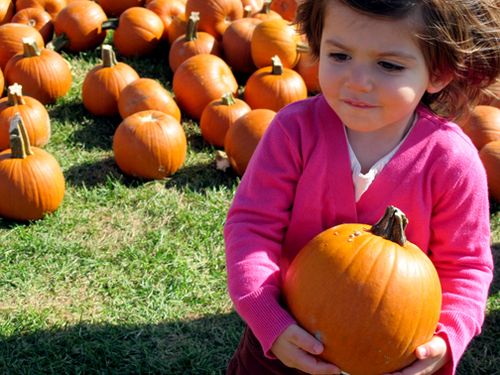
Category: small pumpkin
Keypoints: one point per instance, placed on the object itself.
(265, 13)
(30, 176)
(35, 117)
(201, 79)
(490, 156)
(215, 15)
(37, 18)
(274, 87)
(167, 10)
(192, 43)
(144, 94)
(252, 6)
(6, 11)
(11, 40)
(482, 125)
(52, 7)
(244, 135)
(286, 8)
(43, 73)
(236, 44)
(149, 145)
(308, 68)
(219, 115)
(368, 294)
(79, 27)
(103, 84)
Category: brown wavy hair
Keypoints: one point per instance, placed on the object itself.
(459, 39)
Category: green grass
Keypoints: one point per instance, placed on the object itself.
(128, 277)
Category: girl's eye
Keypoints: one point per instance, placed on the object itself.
(390, 66)
(339, 57)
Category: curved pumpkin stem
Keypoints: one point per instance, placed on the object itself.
(30, 48)
(18, 136)
(247, 11)
(277, 68)
(392, 225)
(228, 99)
(58, 43)
(108, 56)
(266, 7)
(110, 23)
(15, 95)
(192, 26)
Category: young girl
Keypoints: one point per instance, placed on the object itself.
(373, 138)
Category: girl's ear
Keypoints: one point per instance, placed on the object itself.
(438, 82)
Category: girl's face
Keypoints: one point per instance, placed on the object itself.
(371, 70)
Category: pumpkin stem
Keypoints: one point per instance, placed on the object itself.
(192, 26)
(18, 136)
(277, 68)
(30, 48)
(108, 56)
(247, 11)
(228, 99)
(392, 225)
(15, 95)
(266, 7)
(111, 23)
(58, 43)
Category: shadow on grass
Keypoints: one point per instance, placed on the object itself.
(200, 346)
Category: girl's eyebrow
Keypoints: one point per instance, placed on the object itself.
(389, 53)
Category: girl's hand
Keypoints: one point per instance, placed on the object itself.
(431, 356)
(296, 348)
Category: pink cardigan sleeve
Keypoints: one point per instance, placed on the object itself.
(254, 232)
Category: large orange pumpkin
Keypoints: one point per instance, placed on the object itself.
(368, 294)
(104, 83)
(33, 113)
(43, 73)
(11, 40)
(30, 177)
(244, 135)
(490, 156)
(149, 145)
(201, 79)
(482, 125)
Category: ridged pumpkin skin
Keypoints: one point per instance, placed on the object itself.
(34, 114)
(11, 40)
(244, 135)
(145, 94)
(215, 15)
(149, 145)
(34, 184)
(81, 23)
(369, 300)
(103, 84)
(37, 18)
(490, 156)
(199, 80)
(138, 33)
(44, 74)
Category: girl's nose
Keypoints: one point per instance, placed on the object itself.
(359, 79)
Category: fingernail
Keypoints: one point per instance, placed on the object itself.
(422, 352)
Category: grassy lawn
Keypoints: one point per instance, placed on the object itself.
(128, 277)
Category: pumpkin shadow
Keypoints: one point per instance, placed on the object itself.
(202, 176)
(190, 346)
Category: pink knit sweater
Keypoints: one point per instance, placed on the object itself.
(299, 183)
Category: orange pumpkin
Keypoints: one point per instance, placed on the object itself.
(167, 10)
(368, 294)
(215, 15)
(275, 37)
(273, 87)
(149, 145)
(34, 114)
(115, 8)
(482, 125)
(144, 94)
(490, 156)
(6, 11)
(2, 83)
(244, 135)
(199, 80)
(265, 13)
(11, 40)
(253, 6)
(308, 68)
(236, 44)
(43, 73)
(52, 7)
(37, 18)
(103, 84)
(286, 8)
(30, 177)
(177, 27)
(138, 33)
(78, 27)
(219, 115)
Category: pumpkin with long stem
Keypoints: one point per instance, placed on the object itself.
(367, 293)
(149, 145)
(35, 117)
(104, 83)
(30, 177)
(43, 73)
